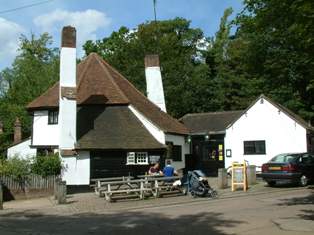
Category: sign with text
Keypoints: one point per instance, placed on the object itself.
(239, 176)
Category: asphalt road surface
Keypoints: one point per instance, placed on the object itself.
(286, 212)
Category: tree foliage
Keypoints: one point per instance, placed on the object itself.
(34, 70)
(178, 45)
(46, 165)
(277, 39)
(270, 52)
(16, 167)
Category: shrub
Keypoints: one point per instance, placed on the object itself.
(16, 167)
(46, 165)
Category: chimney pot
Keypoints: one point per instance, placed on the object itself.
(17, 131)
(68, 37)
(151, 61)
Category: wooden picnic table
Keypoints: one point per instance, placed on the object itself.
(125, 189)
(100, 182)
(149, 185)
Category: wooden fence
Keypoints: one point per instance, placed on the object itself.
(30, 182)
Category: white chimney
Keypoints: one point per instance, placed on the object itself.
(67, 95)
(154, 87)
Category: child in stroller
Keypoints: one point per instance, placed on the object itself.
(197, 185)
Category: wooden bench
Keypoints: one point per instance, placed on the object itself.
(124, 189)
(164, 185)
(101, 182)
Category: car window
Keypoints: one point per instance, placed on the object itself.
(307, 159)
(284, 158)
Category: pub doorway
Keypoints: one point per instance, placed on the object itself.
(208, 153)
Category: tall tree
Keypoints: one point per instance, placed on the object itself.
(231, 88)
(34, 70)
(184, 76)
(279, 50)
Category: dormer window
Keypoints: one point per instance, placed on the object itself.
(53, 117)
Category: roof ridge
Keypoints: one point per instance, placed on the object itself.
(141, 94)
(116, 71)
(287, 111)
(215, 112)
(100, 60)
(79, 80)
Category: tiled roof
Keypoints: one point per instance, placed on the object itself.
(201, 123)
(100, 83)
(96, 130)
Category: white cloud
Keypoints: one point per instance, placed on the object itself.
(9, 40)
(86, 23)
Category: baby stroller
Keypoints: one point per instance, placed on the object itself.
(198, 186)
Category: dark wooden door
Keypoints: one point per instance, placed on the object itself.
(208, 154)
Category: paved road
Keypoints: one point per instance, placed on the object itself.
(283, 212)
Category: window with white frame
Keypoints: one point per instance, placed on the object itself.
(137, 158)
(130, 159)
(53, 117)
(142, 158)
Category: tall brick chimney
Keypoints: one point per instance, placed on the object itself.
(154, 87)
(17, 131)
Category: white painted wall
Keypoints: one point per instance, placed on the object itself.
(67, 107)
(44, 134)
(154, 87)
(162, 137)
(76, 169)
(264, 122)
(155, 131)
(22, 150)
(179, 140)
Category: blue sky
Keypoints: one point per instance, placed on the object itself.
(95, 19)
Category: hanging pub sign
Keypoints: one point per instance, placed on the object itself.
(239, 176)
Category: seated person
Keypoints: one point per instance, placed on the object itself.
(169, 170)
(154, 170)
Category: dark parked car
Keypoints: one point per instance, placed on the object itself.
(289, 168)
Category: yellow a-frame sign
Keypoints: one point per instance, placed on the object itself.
(239, 176)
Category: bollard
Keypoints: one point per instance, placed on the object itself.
(1, 196)
(251, 174)
(222, 178)
(62, 192)
(55, 188)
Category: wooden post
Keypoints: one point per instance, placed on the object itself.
(222, 178)
(141, 190)
(1, 196)
(55, 188)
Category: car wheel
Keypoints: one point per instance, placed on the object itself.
(303, 181)
(271, 183)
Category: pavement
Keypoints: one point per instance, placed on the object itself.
(260, 210)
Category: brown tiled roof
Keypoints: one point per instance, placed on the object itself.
(99, 83)
(215, 122)
(96, 130)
